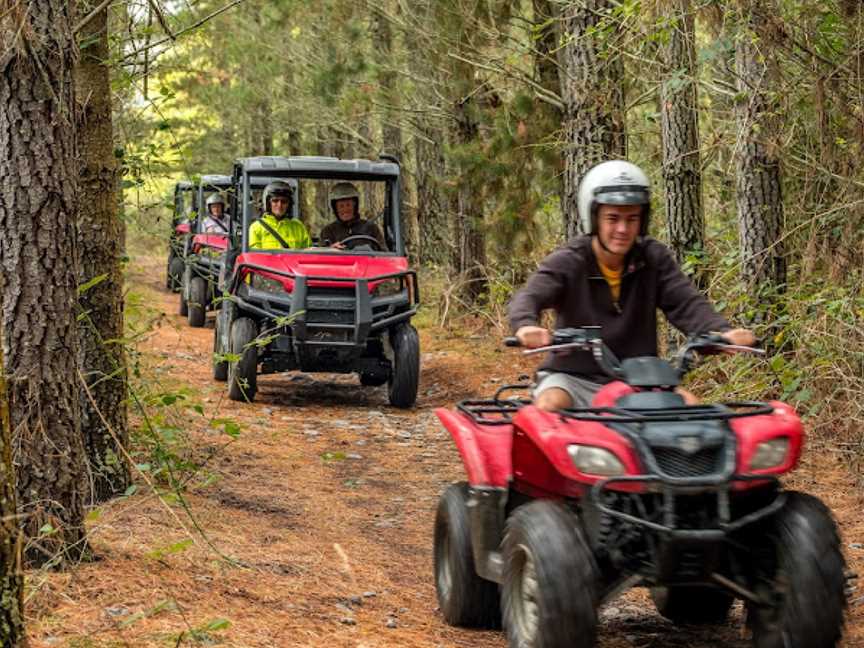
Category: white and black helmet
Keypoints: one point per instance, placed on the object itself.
(215, 199)
(616, 182)
(343, 191)
(278, 188)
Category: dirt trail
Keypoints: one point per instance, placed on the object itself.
(326, 501)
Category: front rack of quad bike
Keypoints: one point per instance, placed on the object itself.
(495, 410)
(714, 412)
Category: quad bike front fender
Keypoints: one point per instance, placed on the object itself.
(486, 450)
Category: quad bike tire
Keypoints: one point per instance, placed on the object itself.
(692, 605)
(175, 273)
(197, 305)
(221, 341)
(243, 374)
(465, 599)
(812, 572)
(405, 375)
(549, 589)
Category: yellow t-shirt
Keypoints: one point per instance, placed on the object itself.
(613, 278)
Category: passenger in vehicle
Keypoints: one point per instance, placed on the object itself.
(216, 221)
(345, 202)
(277, 228)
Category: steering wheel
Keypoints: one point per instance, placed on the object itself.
(350, 242)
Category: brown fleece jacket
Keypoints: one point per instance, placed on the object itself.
(569, 281)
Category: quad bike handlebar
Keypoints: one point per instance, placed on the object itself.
(588, 338)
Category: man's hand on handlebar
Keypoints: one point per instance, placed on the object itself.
(533, 337)
(740, 336)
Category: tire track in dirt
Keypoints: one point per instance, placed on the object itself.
(326, 502)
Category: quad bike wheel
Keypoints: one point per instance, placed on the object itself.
(243, 374)
(405, 376)
(549, 590)
(692, 605)
(809, 579)
(222, 340)
(465, 599)
(184, 282)
(197, 304)
(175, 272)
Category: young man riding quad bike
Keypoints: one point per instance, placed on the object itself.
(598, 488)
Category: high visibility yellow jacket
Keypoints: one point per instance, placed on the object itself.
(291, 230)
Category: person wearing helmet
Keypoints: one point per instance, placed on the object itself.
(614, 276)
(277, 229)
(345, 203)
(215, 222)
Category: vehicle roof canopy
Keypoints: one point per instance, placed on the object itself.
(216, 180)
(183, 185)
(318, 167)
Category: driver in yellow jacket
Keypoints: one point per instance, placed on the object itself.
(277, 228)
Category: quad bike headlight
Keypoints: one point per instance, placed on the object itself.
(267, 284)
(595, 461)
(770, 454)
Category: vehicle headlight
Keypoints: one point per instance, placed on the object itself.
(770, 454)
(267, 284)
(595, 461)
(388, 288)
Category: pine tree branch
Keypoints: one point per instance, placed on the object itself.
(185, 30)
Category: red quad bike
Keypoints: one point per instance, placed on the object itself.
(180, 230)
(204, 255)
(319, 309)
(565, 511)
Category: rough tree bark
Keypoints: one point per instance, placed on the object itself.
(757, 160)
(469, 255)
(101, 237)
(682, 174)
(435, 241)
(592, 88)
(38, 282)
(11, 578)
(391, 128)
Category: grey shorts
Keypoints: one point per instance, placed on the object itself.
(581, 390)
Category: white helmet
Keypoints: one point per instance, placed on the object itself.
(215, 199)
(616, 182)
(277, 188)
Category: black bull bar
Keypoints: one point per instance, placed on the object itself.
(363, 317)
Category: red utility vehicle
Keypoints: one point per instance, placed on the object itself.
(319, 309)
(184, 193)
(566, 510)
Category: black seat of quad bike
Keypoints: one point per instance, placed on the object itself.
(649, 372)
(650, 400)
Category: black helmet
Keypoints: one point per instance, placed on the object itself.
(278, 188)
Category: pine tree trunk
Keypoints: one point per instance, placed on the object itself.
(432, 214)
(38, 282)
(546, 26)
(101, 236)
(469, 255)
(682, 174)
(757, 160)
(592, 87)
(434, 237)
(11, 578)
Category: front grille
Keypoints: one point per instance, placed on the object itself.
(330, 317)
(677, 463)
